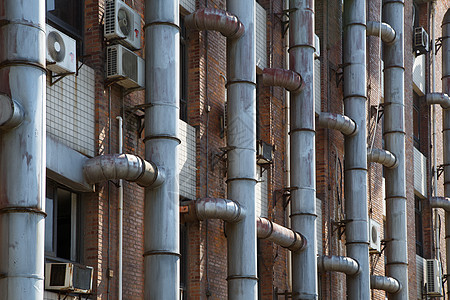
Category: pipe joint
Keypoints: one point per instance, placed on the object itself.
(341, 264)
(385, 283)
(382, 30)
(215, 19)
(280, 235)
(290, 80)
(438, 98)
(12, 113)
(215, 208)
(339, 122)
(440, 202)
(384, 157)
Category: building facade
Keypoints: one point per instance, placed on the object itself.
(100, 107)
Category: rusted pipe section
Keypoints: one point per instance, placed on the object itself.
(384, 283)
(280, 235)
(341, 264)
(383, 157)
(122, 166)
(11, 113)
(290, 80)
(387, 33)
(440, 202)
(214, 208)
(339, 122)
(215, 19)
(438, 98)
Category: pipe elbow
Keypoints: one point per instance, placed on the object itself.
(440, 202)
(339, 122)
(217, 208)
(385, 283)
(341, 264)
(215, 19)
(438, 98)
(382, 30)
(12, 113)
(290, 80)
(384, 157)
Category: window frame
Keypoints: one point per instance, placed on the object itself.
(418, 211)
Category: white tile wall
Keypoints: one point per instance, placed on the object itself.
(186, 160)
(261, 38)
(419, 74)
(54, 296)
(317, 95)
(71, 109)
(188, 5)
(420, 173)
(420, 263)
(262, 197)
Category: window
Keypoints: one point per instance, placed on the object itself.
(183, 72)
(259, 94)
(416, 120)
(419, 226)
(67, 15)
(62, 223)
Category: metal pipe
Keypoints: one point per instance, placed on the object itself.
(214, 208)
(215, 19)
(11, 113)
(120, 215)
(384, 30)
(303, 157)
(290, 80)
(383, 157)
(339, 122)
(355, 176)
(438, 98)
(341, 264)
(440, 202)
(384, 283)
(22, 150)
(446, 129)
(394, 137)
(280, 235)
(241, 140)
(161, 208)
(123, 166)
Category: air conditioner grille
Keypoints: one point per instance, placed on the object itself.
(110, 23)
(111, 67)
(129, 65)
(82, 278)
(430, 276)
(58, 274)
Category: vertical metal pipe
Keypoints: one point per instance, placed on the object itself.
(394, 137)
(22, 150)
(355, 97)
(120, 214)
(241, 181)
(161, 212)
(303, 157)
(446, 130)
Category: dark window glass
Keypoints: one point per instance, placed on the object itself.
(416, 120)
(66, 15)
(183, 73)
(419, 226)
(183, 261)
(259, 94)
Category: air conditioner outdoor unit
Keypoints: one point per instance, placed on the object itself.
(263, 152)
(123, 24)
(374, 236)
(125, 66)
(433, 278)
(61, 51)
(421, 44)
(68, 277)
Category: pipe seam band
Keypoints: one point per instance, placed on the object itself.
(393, 131)
(162, 252)
(236, 277)
(14, 63)
(230, 82)
(355, 169)
(9, 22)
(355, 24)
(155, 137)
(301, 46)
(38, 277)
(357, 242)
(397, 263)
(302, 214)
(395, 197)
(393, 2)
(12, 210)
(241, 178)
(387, 67)
(160, 23)
(301, 129)
(354, 96)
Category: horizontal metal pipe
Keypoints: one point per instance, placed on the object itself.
(122, 166)
(214, 208)
(290, 80)
(280, 235)
(440, 202)
(11, 113)
(384, 283)
(215, 19)
(341, 264)
(384, 30)
(381, 156)
(339, 122)
(438, 98)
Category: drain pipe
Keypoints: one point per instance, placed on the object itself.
(303, 157)
(342, 264)
(383, 30)
(384, 283)
(355, 97)
(383, 157)
(339, 122)
(22, 149)
(161, 209)
(241, 92)
(394, 137)
(120, 214)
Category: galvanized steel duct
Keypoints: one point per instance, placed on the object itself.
(388, 284)
(446, 129)
(355, 176)
(22, 150)
(241, 140)
(287, 79)
(339, 122)
(394, 138)
(161, 209)
(383, 157)
(341, 264)
(440, 202)
(438, 98)
(122, 166)
(280, 235)
(214, 208)
(303, 156)
(215, 19)
(11, 113)
(387, 33)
